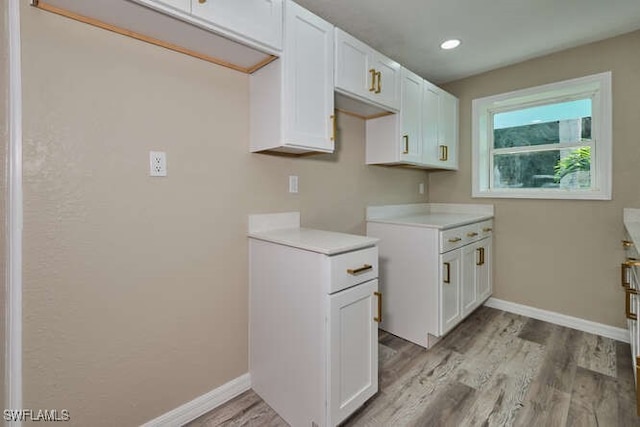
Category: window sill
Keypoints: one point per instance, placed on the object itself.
(541, 194)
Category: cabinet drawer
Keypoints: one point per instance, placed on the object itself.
(485, 229)
(453, 238)
(351, 268)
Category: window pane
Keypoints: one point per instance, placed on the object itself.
(565, 169)
(545, 124)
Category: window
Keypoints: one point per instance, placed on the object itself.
(546, 142)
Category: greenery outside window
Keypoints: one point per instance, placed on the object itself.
(548, 142)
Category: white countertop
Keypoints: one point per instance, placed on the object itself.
(439, 216)
(284, 229)
(324, 242)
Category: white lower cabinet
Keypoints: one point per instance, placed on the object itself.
(353, 349)
(450, 291)
(466, 273)
(432, 279)
(313, 329)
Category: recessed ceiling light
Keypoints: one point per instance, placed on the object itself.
(450, 44)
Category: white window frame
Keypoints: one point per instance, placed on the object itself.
(597, 86)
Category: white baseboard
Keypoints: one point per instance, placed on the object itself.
(202, 404)
(583, 325)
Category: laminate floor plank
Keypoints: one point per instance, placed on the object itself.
(405, 398)
(598, 354)
(247, 409)
(500, 399)
(494, 369)
(560, 362)
(627, 411)
(593, 400)
(537, 331)
(465, 335)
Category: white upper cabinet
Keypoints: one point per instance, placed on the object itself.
(258, 20)
(439, 128)
(365, 74)
(182, 5)
(427, 124)
(292, 101)
(411, 117)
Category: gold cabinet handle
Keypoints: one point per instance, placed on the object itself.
(624, 275)
(627, 303)
(379, 75)
(359, 270)
(455, 239)
(202, 1)
(444, 153)
(481, 256)
(632, 262)
(472, 234)
(627, 243)
(447, 267)
(373, 80)
(405, 140)
(487, 230)
(379, 317)
(333, 127)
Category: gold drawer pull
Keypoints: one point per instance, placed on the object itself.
(448, 270)
(455, 239)
(373, 80)
(481, 254)
(627, 303)
(379, 317)
(202, 1)
(624, 275)
(444, 153)
(360, 269)
(487, 230)
(405, 140)
(472, 234)
(632, 262)
(627, 243)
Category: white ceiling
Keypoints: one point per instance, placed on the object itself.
(494, 33)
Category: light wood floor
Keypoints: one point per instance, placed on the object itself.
(494, 369)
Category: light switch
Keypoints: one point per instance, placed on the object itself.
(293, 183)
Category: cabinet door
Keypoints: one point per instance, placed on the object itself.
(430, 128)
(353, 349)
(259, 20)
(386, 85)
(410, 117)
(352, 75)
(484, 257)
(448, 130)
(450, 306)
(308, 114)
(470, 277)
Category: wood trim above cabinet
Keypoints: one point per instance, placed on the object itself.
(252, 58)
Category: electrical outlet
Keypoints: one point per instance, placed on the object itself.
(157, 163)
(421, 188)
(293, 184)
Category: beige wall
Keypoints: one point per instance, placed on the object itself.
(4, 140)
(135, 288)
(560, 255)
